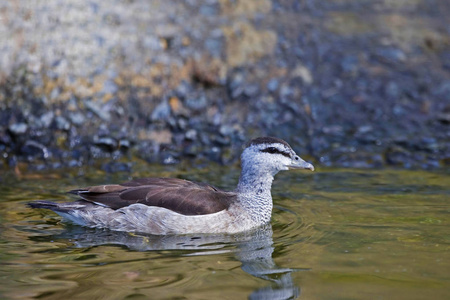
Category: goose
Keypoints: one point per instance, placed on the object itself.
(164, 206)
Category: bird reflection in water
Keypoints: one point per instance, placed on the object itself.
(253, 249)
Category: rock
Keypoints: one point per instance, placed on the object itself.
(246, 44)
(183, 89)
(428, 144)
(191, 135)
(215, 154)
(124, 144)
(182, 123)
(214, 46)
(299, 53)
(205, 138)
(238, 91)
(272, 85)
(200, 75)
(362, 130)
(221, 140)
(77, 118)
(390, 55)
(359, 159)
(17, 129)
(32, 149)
(443, 117)
(209, 9)
(114, 167)
(177, 106)
(106, 143)
(286, 92)
(149, 151)
(97, 109)
(168, 158)
(12, 161)
(191, 150)
(160, 137)
(303, 73)
(443, 89)
(196, 103)
(161, 112)
(226, 130)
(74, 163)
(236, 85)
(103, 130)
(251, 90)
(398, 156)
(109, 87)
(349, 64)
(392, 90)
(5, 141)
(47, 119)
(62, 123)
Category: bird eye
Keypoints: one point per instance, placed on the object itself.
(272, 150)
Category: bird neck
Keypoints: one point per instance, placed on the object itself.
(255, 182)
(254, 193)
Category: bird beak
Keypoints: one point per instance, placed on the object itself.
(298, 163)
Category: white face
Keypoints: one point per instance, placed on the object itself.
(273, 157)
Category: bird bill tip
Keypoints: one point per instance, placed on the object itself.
(302, 165)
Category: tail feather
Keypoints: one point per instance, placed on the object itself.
(43, 204)
(77, 212)
(75, 192)
(60, 207)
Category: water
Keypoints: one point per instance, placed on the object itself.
(335, 234)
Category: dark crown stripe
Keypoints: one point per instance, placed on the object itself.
(267, 140)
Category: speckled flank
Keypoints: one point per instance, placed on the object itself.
(161, 221)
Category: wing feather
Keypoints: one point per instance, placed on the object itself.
(182, 196)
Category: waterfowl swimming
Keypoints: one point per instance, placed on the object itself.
(175, 206)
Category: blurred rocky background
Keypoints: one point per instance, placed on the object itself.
(353, 83)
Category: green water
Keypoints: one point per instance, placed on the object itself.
(335, 234)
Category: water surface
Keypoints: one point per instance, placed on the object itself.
(335, 234)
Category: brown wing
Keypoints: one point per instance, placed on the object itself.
(182, 196)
